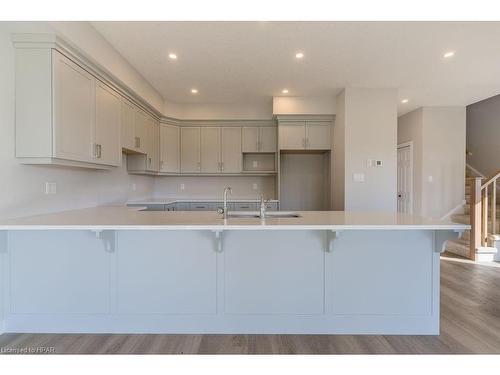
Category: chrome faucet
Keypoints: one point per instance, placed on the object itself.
(263, 207)
(224, 210)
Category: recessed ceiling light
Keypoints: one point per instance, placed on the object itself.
(449, 54)
(404, 101)
(299, 55)
(194, 91)
(284, 91)
(172, 56)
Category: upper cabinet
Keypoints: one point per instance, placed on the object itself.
(211, 150)
(170, 143)
(305, 135)
(190, 150)
(231, 156)
(107, 125)
(259, 139)
(146, 159)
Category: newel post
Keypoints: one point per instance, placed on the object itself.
(475, 216)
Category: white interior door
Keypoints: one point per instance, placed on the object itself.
(405, 179)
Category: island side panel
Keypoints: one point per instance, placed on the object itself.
(263, 281)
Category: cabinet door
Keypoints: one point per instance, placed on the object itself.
(292, 135)
(318, 136)
(128, 125)
(190, 150)
(140, 131)
(107, 125)
(169, 149)
(73, 110)
(267, 139)
(210, 150)
(152, 145)
(231, 150)
(250, 139)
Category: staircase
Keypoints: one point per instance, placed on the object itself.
(484, 249)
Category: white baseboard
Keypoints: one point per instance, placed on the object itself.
(457, 210)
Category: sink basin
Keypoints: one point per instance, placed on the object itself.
(255, 215)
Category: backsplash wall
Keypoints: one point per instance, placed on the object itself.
(213, 187)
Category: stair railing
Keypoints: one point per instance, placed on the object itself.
(483, 211)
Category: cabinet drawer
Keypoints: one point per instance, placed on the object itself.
(170, 207)
(182, 206)
(242, 206)
(200, 207)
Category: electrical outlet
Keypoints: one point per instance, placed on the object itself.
(255, 186)
(358, 177)
(50, 188)
(182, 186)
(133, 187)
(255, 163)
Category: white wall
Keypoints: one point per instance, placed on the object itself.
(22, 187)
(338, 155)
(301, 105)
(369, 123)
(213, 187)
(483, 134)
(222, 111)
(438, 135)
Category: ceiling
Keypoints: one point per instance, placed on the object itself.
(250, 62)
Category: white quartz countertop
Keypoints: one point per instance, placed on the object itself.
(131, 218)
(184, 200)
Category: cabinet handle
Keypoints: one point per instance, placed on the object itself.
(307, 142)
(257, 145)
(199, 166)
(222, 167)
(304, 142)
(149, 161)
(97, 151)
(161, 164)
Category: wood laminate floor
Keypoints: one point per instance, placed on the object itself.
(470, 323)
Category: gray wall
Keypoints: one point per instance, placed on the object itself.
(366, 128)
(483, 135)
(438, 136)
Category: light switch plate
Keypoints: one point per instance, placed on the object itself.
(255, 186)
(358, 177)
(183, 186)
(50, 188)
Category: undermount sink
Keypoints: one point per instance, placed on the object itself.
(255, 215)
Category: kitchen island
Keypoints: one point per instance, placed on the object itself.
(122, 270)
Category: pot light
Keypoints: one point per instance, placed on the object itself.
(299, 55)
(284, 91)
(172, 56)
(404, 101)
(449, 54)
(194, 91)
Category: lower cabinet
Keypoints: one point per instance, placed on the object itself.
(166, 272)
(58, 272)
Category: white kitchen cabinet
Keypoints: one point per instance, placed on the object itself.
(292, 135)
(152, 145)
(128, 139)
(64, 114)
(107, 125)
(210, 150)
(258, 139)
(190, 150)
(140, 130)
(231, 150)
(170, 149)
(318, 135)
(305, 135)
(267, 139)
(73, 110)
(250, 139)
